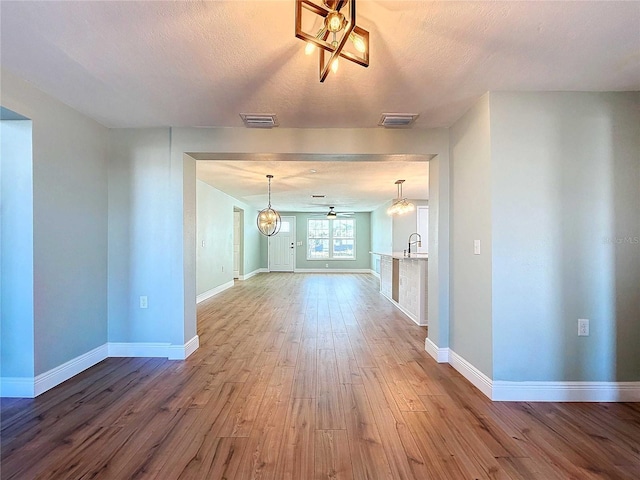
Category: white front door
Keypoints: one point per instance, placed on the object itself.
(282, 247)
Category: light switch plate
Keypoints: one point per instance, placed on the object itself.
(476, 247)
(583, 327)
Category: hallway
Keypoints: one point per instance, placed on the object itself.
(303, 376)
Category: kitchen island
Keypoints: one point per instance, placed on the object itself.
(403, 280)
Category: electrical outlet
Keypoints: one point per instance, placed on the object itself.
(144, 302)
(583, 327)
(326, 265)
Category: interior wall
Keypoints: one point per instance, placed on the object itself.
(363, 244)
(141, 238)
(381, 234)
(214, 263)
(439, 208)
(471, 310)
(566, 196)
(405, 225)
(69, 225)
(16, 250)
(253, 241)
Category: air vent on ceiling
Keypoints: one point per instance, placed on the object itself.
(397, 120)
(318, 196)
(259, 120)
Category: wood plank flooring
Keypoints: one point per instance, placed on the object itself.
(302, 377)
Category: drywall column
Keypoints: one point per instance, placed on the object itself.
(438, 267)
(16, 243)
(471, 307)
(566, 235)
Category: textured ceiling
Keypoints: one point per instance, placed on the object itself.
(349, 186)
(140, 64)
(185, 64)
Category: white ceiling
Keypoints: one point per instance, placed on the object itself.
(143, 64)
(349, 186)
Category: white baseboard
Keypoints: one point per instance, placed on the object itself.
(566, 391)
(180, 352)
(332, 270)
(30, 387)
(471, 373)
(251, 274)
(374, 273)
(214, 291)
(47, 380)
(505, 391)
(158, 350)
(140, 349)
(440, 355)
(17, 387)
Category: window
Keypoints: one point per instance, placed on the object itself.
(331, 239)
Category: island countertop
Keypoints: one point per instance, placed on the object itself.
(402, 256)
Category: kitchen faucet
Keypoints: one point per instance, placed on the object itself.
(418, 242)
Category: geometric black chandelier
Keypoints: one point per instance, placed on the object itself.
(335, 34)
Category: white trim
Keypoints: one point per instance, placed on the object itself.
(374, 273)
(251, 274)
(30, 387)
(505, 391)
(566, 391)
(440, 355)
(47, 380)
(141, 349)
(16, 387)
(471, 373)
(332, 270)
(180, 352)
(214, 291)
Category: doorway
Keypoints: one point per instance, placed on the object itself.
(238, 221)
(282, 247)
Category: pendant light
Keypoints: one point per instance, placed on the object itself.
(401, 205)
(268, 220)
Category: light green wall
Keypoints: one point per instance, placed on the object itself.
(566, 235)
(471, 322)
(16, 249)
(214, 227)
(381, 234)
(69, 225)
(363, 244)
(140, 237)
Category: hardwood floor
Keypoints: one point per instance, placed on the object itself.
(303, 377)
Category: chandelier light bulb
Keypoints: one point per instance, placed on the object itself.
(334, 22)
(358, 43)
(308, 50)
(334, 66)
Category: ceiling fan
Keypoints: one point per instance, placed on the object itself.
(332, 214)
